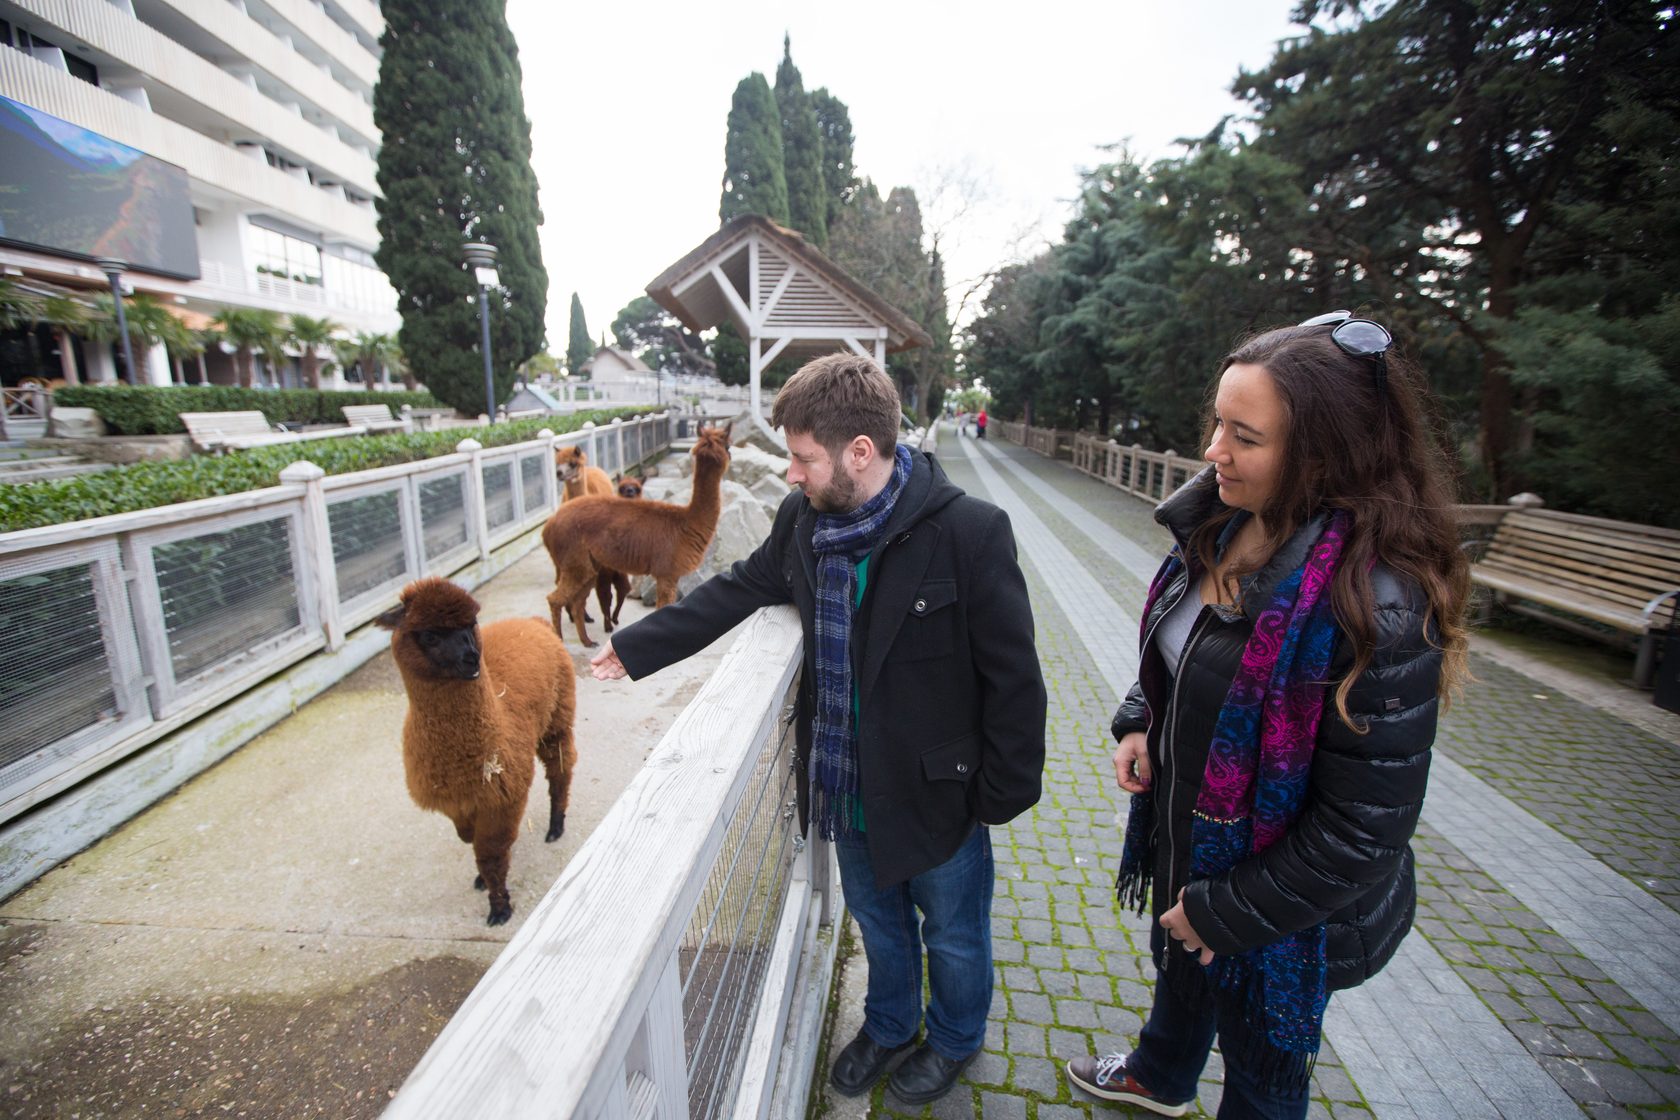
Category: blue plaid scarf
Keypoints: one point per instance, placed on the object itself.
(839, 540)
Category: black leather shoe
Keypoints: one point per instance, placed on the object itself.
(926, 1075)
(862, 1063)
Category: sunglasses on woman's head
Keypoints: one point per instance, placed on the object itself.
(1358, 338)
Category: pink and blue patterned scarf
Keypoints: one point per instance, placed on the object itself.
(1253, 789)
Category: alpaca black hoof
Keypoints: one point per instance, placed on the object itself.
(587, 617)
(499, 914)
(556, 828)
(478, 882)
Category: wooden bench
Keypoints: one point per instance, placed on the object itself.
(376, 418)
(1614, 573)
(237, 431)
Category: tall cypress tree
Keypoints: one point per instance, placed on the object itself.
(834, 130)
(753, 179)
(801, 152)
(455, 166)
(578, 347)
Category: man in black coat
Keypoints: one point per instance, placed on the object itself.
(921, 704)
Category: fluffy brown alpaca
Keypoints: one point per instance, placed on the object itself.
(637, 538)
(609, 582)
(483, 704)
(577, 477)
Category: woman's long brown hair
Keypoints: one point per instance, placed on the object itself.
(1360, 442)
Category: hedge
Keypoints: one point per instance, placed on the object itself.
(26, 505)
(149, 410)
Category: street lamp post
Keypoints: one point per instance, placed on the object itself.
(482, 256)
(113, 270)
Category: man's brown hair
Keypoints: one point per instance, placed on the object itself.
(837, 398)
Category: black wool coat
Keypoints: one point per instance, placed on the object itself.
(951, 697)
(1347, 858)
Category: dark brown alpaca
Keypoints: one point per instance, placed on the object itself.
(636, 538)
(483, 704)
(609, 582)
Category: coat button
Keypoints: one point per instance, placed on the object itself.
(962, 767)
(921, 605)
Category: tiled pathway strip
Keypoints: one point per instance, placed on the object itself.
(1505, 1002)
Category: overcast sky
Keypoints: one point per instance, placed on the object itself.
(628, 105)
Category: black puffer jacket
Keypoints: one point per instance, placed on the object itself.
(1347, 857)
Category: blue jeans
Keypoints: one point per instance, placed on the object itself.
(955, 901)
(1173, 1047)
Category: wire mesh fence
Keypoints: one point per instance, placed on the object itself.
(724, 953)
(116, 626)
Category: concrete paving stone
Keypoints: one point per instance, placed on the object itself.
(1595, 1017)
(1005, 907)
(1060, 1112)
(1317, 1110)
(1040, 1076)
(1097, 989)
(958, 1104)
(1008, 950)
(1065, 1044)
(1635, 1050)
(1037, 912)
(1083, 960)
(1002, 1106)
(994, 1035)
(1030, 1008)
(1075, 1013)
(1343, 1110)
(1573, 1077)
(989, 1068)
(1610, 1112)
(1025, 1039)
(1052, 956)
(1055, 982)
(1021, 979)
(1583, 1043)
(1121, 1021)
(1623, 1085)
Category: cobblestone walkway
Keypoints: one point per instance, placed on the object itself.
(1540, 979)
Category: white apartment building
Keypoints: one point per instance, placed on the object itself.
(267, 105)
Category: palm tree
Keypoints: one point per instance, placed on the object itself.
(249, 329)
(309, 333)
(66, 316)
(17, 306)
(149, 323)
(375, 353)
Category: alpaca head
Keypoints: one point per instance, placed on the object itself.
(569, 462)
(711, 450)
(434, 630)
(629, 487)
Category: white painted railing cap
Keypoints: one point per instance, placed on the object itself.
(301, 471)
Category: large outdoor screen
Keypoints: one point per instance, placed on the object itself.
(68, 190)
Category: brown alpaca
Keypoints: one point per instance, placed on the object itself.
(637, 538)
(478, 720)
(578, 478)
(609, 582)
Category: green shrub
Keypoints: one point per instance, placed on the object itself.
(147, 410)
(27, 505)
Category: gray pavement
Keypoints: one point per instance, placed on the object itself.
(286, 934)
(1538, 982)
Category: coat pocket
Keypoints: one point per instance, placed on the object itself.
(929, 627)
(948, 773)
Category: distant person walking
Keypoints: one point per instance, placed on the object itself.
(980, 424)
(1296, 645)
(921, 705)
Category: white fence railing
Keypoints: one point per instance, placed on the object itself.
(659, 976)
(116, 630)
(1148, 474)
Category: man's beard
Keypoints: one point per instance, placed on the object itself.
(839, 496)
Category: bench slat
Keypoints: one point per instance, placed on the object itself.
(1627, 598)
(1550, 595)
(1594, 569)
(1661, 549)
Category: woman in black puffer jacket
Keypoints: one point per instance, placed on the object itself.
(1295, 649)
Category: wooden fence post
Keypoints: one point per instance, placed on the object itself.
(477, 517)
(317, 545)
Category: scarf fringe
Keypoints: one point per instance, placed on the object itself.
(1233, 984)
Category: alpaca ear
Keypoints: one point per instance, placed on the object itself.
(392, 618)
(728, 430)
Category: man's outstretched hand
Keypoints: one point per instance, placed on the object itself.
(606, 666)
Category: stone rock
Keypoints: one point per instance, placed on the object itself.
(742, 526)
(76, 423)
(748, 464)
(770, 490)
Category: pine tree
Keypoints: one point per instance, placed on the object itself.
(578, 347)
(834, 128)
(802, 160)
(753, 179)
(455, 166)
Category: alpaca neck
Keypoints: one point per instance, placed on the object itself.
(707, 500)
(470, 704)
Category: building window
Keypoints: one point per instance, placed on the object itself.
(289, 258)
